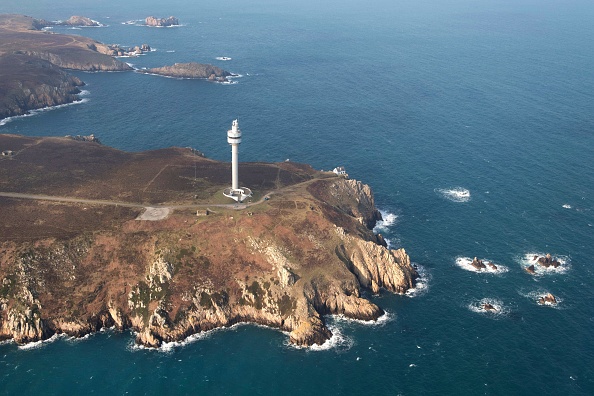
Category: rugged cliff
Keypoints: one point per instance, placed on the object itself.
(283, 262)
(30, 60)
(36, 83)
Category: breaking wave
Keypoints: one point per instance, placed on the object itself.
(38, 111)
(338, 341)
(455, 194)
(422, 285)
(388, 220)
(381, 321)
(466, 263)
(42, 343)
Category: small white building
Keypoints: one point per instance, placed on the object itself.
(339, 170)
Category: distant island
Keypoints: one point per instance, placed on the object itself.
(34, 63)
(190, 70)
(161, 22)
(85, 246)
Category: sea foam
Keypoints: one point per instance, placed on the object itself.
(454, 194)
(500, 308)
(528, 259)
(388, 220)
(466, 263)
(39, 111)
(39, 344)
(535, 296)
(422, 282)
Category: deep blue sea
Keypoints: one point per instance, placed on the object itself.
(473, 122)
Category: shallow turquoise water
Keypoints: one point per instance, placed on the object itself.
(415, 99)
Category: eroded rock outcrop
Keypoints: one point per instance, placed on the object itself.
(157, 22)
(40, 84)
(547, 261)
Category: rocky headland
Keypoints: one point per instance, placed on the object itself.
(35, 83)
(190, 70)
(33, 61)
(161, 22)
(75, 267)
(77, 21)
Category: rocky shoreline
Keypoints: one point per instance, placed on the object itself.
(285, 263)
(28, 84)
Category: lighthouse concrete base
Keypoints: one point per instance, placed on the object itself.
(238, 194)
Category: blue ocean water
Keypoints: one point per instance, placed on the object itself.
(473, 122)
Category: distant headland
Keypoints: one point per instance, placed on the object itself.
(77, 255)
(34, 62)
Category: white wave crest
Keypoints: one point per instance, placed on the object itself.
(39, 344)
(466, 263)
(567, 206)
(388, 220)
(381, 321)
(223, 58)
(455, 194)
(499, 308)
(337, 341)
(532, 259)
(422, 282)
(39, 111)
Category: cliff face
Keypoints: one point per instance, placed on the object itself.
(284, 265)
(30, 60)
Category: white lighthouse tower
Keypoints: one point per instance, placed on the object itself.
(234, 139)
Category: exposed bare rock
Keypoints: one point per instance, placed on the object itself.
(377, 266)
(489, 307)
(152, 21)
(531, 270)
(547, 299)
(478, 264)
(548, 261)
